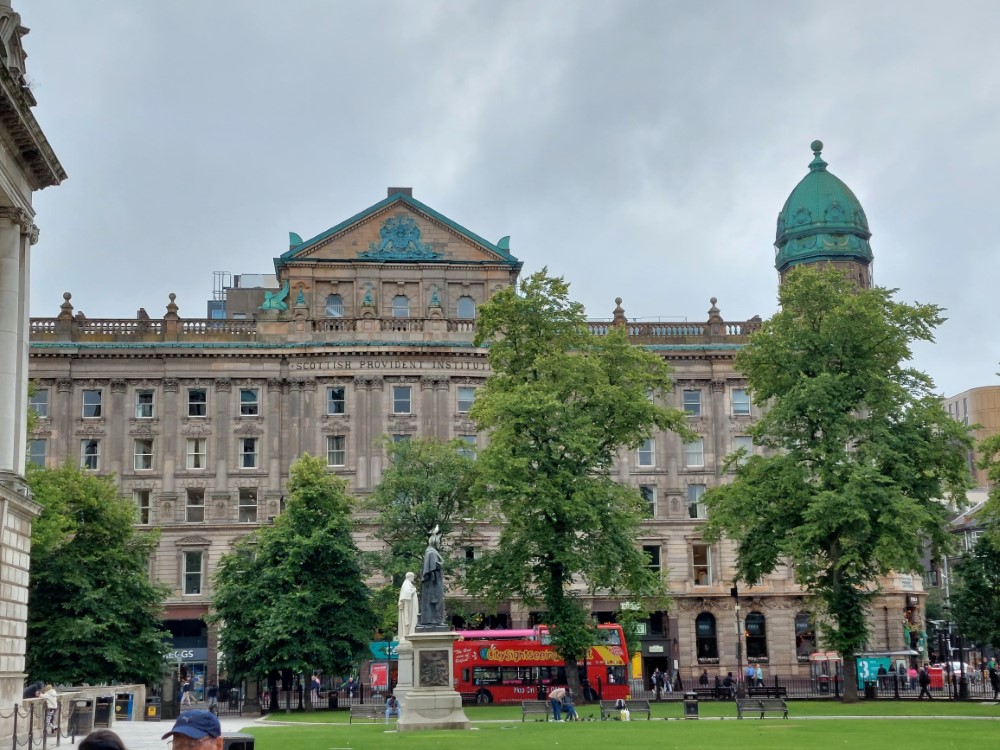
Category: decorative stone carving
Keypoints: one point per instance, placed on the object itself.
(198, 426)
(170, 385)
(369, 382)
(223, 385)
(718, 386)
(142, 430)
(64, 385)
(400, 241)
(464, 424)
(434, 668)
(274, 384)
(118, 385)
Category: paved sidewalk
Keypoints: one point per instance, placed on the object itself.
(145, 735)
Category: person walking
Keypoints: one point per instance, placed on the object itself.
(51, 706)
(186, 694)
(925, 680)
(213, 696)
(995, 681)
(703, 680)
(656, 682)
(758, 675)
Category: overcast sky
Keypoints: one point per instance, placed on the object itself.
(640, 149)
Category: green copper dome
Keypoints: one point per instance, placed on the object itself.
(822, 220)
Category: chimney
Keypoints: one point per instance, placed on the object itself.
(405, 191)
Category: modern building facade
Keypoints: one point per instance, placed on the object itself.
(369, 334)
(27, 164)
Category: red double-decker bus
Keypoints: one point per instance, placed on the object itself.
(509, 666)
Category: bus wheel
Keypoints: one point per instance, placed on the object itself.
(484, 697)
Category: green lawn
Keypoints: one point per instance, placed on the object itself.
(712, 734)
(712, 709)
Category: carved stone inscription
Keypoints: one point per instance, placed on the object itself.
(434, 668)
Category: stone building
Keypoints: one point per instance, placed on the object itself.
(369, 333)
(27, 164)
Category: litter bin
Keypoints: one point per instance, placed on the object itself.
(81, 718)
(333, 699)
(871, 690)
(824, 683)
(153, 709)
(237, 742)
(690, 705)
(123, 707)
(102, 711)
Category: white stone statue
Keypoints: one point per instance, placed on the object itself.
(409, 607)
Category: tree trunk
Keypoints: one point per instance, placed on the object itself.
(850, 686)
(573, 680)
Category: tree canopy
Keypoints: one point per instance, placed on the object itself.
(291, 596)
(561, 406)
(94, 615)
(975, 597)
(860, 450)
(425, 484)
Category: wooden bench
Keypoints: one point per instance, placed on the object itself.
(767, 692)
(371, 711)
(609, 709)
(721, 693)
(535, 707)
(761, 706)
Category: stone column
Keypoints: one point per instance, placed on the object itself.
(223, 428)
(171, 426)
(295, 420)
(272, 434)
(12, 409)
(120, 448)
(308, 431)
(720, 423)
(428, 411)
(63, 417)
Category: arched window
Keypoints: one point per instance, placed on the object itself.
(334, 306)
(400, 306)
(756, 633)
(805, 636)
(705, 640)
(466, 308)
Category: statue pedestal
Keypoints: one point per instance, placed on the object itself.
(432, 702)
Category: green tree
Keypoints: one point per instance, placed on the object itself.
(291, 596)
(860, 451)
(425, 484)
(989, 459)
(560, 407)
(94, 616)
(975, 597)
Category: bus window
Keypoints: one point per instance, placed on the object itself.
(610, 636)
(465, 675)
(486, 676)
(508, 676)
(616, 675)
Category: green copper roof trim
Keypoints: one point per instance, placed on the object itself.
(412, 203)
(822, 220)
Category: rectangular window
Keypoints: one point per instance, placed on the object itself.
(197, 402)
(141, 499)
(653, 553)
(469, 449)
(694, 453)
(144, 404)
(192, 572)
(741, 402)
(648, 493)
(248, 505)
(194, 506)
(91, 404)
(336, 450)
(249, 405)
(701, 563)
(335, 401)
(39, 401)
(696, 508)
(396, 438)
(645, 454)
(197, 457)
(37, 448)
(248, 453)
(90, 454)
(143, 454)
(692, 403)
(465, 396)
(745, 443)
(401, 399)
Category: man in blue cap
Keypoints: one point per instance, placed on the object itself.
(197, 728)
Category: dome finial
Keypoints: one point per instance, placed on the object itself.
(817, 164)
